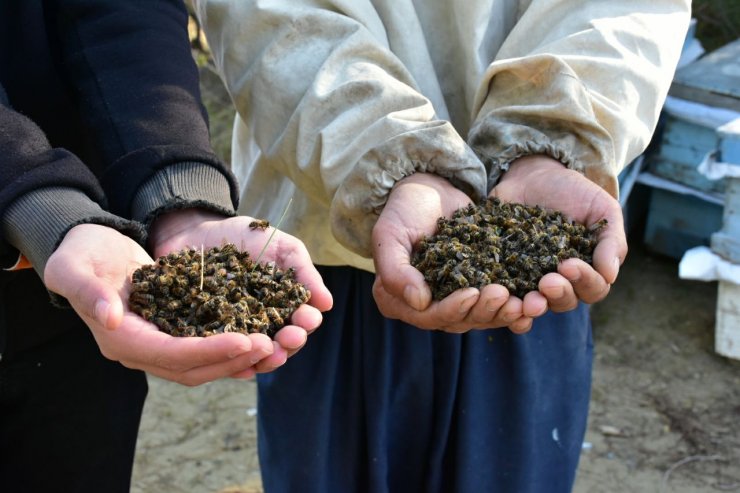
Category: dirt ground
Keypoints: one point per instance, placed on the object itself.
(664, 414)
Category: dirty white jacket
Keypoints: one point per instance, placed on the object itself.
(339, 99)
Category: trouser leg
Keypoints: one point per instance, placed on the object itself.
(69, 419)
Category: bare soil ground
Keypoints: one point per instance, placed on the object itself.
(665, 411)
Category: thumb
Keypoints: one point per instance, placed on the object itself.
(92, 297)
(399, 278)
(108, 311)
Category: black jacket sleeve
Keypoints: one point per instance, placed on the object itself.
(135, 85)
(29, 166)
(138, 89)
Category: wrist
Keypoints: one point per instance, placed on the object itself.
(430, 180)
(527, 166)
(177, 221)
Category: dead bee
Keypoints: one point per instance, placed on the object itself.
(259, 224)
(173, 305)
(141, 298)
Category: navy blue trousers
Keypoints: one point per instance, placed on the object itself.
(375, 405)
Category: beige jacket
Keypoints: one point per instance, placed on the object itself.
(339, 99)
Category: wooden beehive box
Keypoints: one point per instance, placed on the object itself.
(726, 244)
(727, 325)
(678, 221)
(705, 95)
(713, 82)
(683, 146)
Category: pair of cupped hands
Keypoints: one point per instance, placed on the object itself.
(92, 268)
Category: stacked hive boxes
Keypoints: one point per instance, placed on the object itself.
(686, 207)
(694, 177)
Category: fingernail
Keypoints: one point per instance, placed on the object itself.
(556, 292)
(617, 264)
(101, 310)
(494, 304)
(412, 297)
(245, 375)
(468, 303)
(259, 354)
(238, 352)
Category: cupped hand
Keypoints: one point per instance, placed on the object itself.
(92, 267)
(189, 228)
(543, 181)
(412, 210)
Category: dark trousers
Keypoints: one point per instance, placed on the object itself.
(69, 418)
(375, 405)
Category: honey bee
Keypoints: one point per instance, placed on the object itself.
(259, 224)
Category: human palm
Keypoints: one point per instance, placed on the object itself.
(540, 180)
(400, 291)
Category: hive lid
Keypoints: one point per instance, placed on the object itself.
(713, 79)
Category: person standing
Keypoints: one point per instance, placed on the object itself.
(105, 162)
(377, 117)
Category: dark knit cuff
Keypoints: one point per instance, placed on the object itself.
(36, 223)
(180, 186)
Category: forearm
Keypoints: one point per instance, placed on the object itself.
(36, 223)
(138, 90)
(586, 91)
(330, 107)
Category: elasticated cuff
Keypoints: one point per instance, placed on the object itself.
(36, 223)
(498, 165)
(183, 185)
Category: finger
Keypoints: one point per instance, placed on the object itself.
(492, 298)
(534, 304)
(510, 312)
(277, 359)
(91, 296)
(431, 318)
(559, 293)
(296, 256)
(456, 306)
(607, 258)
(240, 366)
(588, 285)
(521, 325)
(307, 317)
(291, 338)
(247, 374)
(142, 345)
(399, 277)
(611, 250)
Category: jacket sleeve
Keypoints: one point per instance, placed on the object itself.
(44, 191)
(586, 90)
(331, 107)
(137, 85)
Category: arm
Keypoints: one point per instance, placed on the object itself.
(586, 91)
(332, 108)
(44, 191)
(131, 70)
(138, 91)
